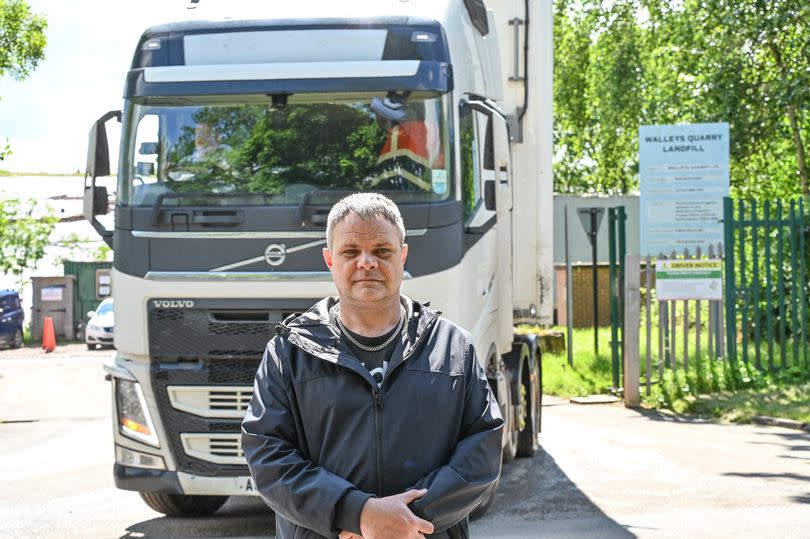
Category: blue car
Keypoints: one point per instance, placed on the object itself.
(11, 319)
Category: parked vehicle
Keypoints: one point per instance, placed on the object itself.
(100, 328)
(240, 130)
(11, 319)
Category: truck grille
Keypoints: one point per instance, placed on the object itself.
(205, 353)
(217, 328)
(211, 401)
(216, 448)
(218, 394)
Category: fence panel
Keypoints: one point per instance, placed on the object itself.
(766, 291)
(766, 283)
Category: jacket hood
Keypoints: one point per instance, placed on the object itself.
(313, 332)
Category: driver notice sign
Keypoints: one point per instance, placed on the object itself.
(689, 279)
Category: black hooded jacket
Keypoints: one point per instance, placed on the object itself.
(320, 437)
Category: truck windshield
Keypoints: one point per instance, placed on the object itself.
(285, 150)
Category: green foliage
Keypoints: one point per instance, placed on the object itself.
(24, 231)
(77, 249)
(22, 44)
(22, 39)
(711, 387)
(627, 63)
(103, 253)
(588, 376)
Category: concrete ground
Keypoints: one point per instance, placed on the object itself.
(603, 471)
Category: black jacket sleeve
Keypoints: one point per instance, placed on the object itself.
(293, 486)
(457, 488)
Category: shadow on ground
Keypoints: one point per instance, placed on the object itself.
(537, 499)
(241, 516)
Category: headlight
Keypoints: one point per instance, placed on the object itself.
(133, 415)
(91, 327)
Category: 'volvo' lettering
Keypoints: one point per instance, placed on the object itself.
(172, 303)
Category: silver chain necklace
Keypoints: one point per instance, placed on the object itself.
(377, 348)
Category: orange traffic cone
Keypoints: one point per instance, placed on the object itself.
(48, 335)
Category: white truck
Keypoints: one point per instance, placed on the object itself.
(241, 126)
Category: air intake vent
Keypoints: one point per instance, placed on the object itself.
(216, 448)
(211, 401)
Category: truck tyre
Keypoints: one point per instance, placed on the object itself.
(18, 339)
(485, 504)
(182, 505)
(530, 390)
(509, 422)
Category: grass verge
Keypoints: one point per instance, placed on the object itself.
(710, 388)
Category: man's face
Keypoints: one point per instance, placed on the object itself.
(367, 260)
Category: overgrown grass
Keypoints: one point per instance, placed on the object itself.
(710, 387)
(589, 374)
(734, 394)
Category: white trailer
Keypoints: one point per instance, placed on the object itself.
(241, 126)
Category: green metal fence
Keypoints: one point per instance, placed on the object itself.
(766, 283)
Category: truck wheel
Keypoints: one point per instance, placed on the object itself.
(509, 424)
(530, 392)
(181, 505)
(18, 339)
(485, 504)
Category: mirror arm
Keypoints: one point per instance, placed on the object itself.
(106, 235)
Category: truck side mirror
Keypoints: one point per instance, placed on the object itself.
(98, 164)
(98, 150)
(95, 201)
(489, 195)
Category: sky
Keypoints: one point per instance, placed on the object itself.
(47, 117)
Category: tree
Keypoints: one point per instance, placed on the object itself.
(758, 52)
(22, 44)
(598, 95)
(24, 231)
(625, 63)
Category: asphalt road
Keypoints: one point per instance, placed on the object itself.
(603, 472)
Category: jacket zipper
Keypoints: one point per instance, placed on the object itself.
(377, 391)
(378, 432)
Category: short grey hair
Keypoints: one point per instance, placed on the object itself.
(366, 206)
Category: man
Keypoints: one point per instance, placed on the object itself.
(371, 416)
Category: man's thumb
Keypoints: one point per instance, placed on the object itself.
(425, 526)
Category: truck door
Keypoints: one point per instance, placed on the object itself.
(480, 237)
(499, 132)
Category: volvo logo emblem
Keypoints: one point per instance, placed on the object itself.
(173, 304)
(275, 254)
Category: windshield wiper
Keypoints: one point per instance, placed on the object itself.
(302, 206)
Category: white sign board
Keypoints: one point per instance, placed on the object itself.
(689, 279)
(51, 293)
(684, 175)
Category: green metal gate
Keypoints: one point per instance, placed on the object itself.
(766, 283)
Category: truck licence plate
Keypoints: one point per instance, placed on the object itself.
(245, 486)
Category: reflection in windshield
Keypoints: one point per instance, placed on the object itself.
(260, 154)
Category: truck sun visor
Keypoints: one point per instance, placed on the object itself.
(203, 46)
